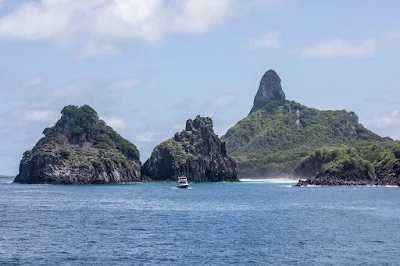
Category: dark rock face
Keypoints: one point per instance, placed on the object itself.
(196, 152)
(390, 176)
(270, 90)
(349, 178)
(56, 170)
(80, 149)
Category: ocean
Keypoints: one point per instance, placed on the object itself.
(247, 223)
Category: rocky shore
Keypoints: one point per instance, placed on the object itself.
(389, 176)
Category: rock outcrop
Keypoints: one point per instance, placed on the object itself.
(80, 149)
(330, 178)
(196, 152)
(389, 176)
(270, 90)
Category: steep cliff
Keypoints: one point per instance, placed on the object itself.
(270, 90)
(80, 149)
(196, 152)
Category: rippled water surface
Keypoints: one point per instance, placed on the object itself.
(210, 224)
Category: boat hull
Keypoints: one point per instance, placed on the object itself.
(182, 186)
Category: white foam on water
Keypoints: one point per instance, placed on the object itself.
(269, 180)
(374, 186)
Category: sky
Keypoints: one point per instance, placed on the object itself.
(146, 66)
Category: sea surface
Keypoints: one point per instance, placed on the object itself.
(247, 223)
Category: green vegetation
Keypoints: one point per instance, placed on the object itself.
(82, 125)
(396, 150)
(313, 164)
(176, 149)
(81, 140)
(369, 158)
(274, 140)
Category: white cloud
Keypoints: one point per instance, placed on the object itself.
(385, 121)
(126, 84)
(38, 115)
(340, 48)
(268, 40)
(91, 22)
(224, 101)
(114, 122)
(33, 82)
(147, 136)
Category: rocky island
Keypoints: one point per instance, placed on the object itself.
(80, 149)
(196, 152)
(278, 134)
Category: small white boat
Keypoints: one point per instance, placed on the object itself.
(182, 182)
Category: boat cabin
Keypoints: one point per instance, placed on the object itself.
(182, 179)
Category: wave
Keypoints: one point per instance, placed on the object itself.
(269, 180)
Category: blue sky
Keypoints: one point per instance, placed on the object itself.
(148, 66)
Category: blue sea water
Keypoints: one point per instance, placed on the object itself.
(210, 224)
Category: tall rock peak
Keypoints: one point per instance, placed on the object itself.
(270, 90)
(196, 152)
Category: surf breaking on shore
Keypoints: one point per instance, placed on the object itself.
(269, 180)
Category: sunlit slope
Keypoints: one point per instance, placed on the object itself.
(273, 140)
